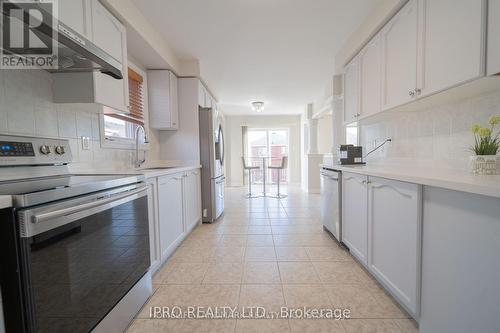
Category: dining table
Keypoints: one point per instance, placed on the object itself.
(265, 160)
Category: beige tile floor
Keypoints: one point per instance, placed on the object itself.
(270, 253)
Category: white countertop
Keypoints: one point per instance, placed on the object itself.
(5, 201)
(444, 178)
(150, 170)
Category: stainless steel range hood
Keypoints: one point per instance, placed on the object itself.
(75, 52)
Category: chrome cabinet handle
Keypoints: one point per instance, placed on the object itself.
(418, 91)
(84, 207)
(411, 93)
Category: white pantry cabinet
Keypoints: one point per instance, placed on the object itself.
(493, 45)
(399, 57)
(163, 100)
(355, 215)
(394, 238)
(170, 212)
(370, 63)
(108, 33)
(453, 43)
(351, 91)
(154, 224)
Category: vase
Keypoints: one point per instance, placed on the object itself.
(485, 164)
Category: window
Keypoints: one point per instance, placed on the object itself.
(271, 144)
(351, 135)
(118, 129)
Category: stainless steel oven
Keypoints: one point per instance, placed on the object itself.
(74, 248)
(81, 256)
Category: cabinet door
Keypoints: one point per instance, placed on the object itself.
(174, 104)
(351, 91)
(201, 95)
(110, 35)
(493, 59)
(399, 57)
(370, 76)
(354, 215)
(75, 15)
(154, 226)
(394, 238)
(192, 199)
(453, 43)
(170, 208)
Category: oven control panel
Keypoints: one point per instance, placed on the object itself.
(22, 150)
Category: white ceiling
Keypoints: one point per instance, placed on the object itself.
(277, 51)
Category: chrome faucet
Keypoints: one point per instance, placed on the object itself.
(139, 162)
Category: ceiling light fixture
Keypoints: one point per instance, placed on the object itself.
(258, 106)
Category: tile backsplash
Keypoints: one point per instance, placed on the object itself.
(436, 137)
(26, 108)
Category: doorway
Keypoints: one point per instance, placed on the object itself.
(271, 144)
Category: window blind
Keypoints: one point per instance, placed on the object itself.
(136, 100)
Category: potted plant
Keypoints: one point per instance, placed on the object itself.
(486, 147)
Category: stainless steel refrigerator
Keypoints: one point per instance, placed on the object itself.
(212, 161)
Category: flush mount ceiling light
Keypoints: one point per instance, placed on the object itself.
(258, 106)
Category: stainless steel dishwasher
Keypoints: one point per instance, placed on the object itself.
(331, 190)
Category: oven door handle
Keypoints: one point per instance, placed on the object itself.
(102, 201)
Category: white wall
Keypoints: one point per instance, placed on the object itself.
(234, 143)
(437, 137)
(26, 108)
(325, 135)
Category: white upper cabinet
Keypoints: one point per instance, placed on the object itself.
(453, 43)
(370, 73)
(108, 34)
(394, 238)
(202, 95)
(355, 215)
(493, 46)
(399, 57)
(71, 14)
(351, 91)
(163, 100)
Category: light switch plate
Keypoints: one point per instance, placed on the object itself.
(85, 143)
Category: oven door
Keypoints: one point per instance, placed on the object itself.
(81, 256)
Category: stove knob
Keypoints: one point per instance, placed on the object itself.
(60, 150)
(45, 150)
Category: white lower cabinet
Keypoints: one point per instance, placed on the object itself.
(170, 209)
(382, 229)
(354, 215)
(192, 192)
(174, 206)
(394, 238)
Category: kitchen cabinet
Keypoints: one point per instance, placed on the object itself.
(154, 224)
(163, 100)
(493, 43)
(399, 57)
(453, 43)
(170, 212)
(71, 14)
(108, 33)
(192, 193)
(351, 91)
(394, 238)
(370, 77)
(202, 95)
(355, 215)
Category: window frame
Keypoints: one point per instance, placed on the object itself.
(113, 142)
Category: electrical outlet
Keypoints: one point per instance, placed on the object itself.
(85, 142)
